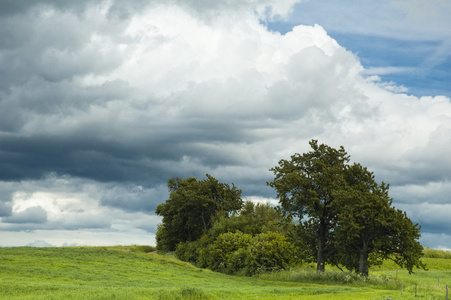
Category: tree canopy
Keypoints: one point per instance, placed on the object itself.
(307, 186)
(189, 211)
(344, 215)
(369, 224)
(249, 241)
(329, 210)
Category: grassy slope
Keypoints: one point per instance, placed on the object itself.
(93, 273)
(100, 273)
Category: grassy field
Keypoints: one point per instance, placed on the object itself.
(112, 273)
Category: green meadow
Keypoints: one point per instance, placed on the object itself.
(130, 272)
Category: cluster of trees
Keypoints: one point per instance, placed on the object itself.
(330, 212)
(248, 242)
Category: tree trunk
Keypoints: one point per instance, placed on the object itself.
(321, 258)
(363, 261)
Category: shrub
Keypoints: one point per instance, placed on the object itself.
(237, 260)
(239, 252)
(436, 253)
(186, 251)
(269, 251)
(216, 255)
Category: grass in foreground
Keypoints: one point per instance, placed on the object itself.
(96, 273)
(108, 273)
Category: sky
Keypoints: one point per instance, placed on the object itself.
(101, 102)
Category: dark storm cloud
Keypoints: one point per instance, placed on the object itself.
(53, 46)
(31, 221)
(6, 199)
(41, 60)
(133, 198)
(33, 157)
(11, 7)
(35, 215)
(39, 98)
(5, 209)
(98, 152)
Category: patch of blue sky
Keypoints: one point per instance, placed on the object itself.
(403, 63)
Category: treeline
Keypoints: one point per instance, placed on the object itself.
(329, 211)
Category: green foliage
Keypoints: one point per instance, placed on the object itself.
(166, 239)
(307, 186)
(269, 251)
(369, 228)
(234, 244)
(365, 220)
(191, 207)
(346, 217)
(238, 261)
(187, 251)
(436, 253)
(191, 251)
(237, 252)
(252, 219)
(403, 245)
(216, 255)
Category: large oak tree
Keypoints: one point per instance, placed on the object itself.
(368, 224)
(344, 211)
(307, 186)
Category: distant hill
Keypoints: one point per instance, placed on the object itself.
(39, 243)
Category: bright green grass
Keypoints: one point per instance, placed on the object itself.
(96, 273)
(106, 273)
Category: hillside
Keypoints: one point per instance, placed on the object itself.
(128, 273)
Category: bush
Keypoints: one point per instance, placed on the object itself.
(186, 251)
(239, 252)
(436, 253)
(237, 260)
(216, 255)
(269, 251)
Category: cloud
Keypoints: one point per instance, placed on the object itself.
(65, 203)
(433, 217)
(5, 210)
(133, 198)
(437, 192)
(436, 240)
(34, 215)
(110, 130)
(101, 104)
(387, 70)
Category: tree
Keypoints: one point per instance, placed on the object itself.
(252, 219)
(345, 215)
(189, 211)
(307, 186)
(362, 220)
(368, 224)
